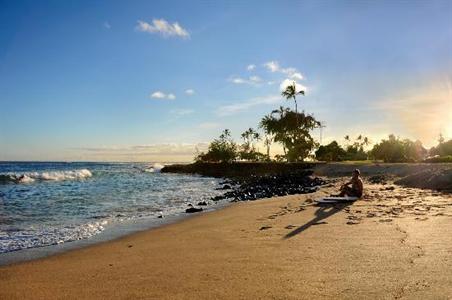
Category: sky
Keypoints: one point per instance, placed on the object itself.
(156, 80)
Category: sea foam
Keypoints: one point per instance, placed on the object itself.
(155, 168)
(53, 175)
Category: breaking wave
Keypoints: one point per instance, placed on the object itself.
(51, 175)
(155, 168)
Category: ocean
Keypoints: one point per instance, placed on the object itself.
(51, 203)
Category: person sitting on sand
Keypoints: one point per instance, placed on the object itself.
(356, 188)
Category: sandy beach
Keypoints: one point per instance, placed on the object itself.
(395, 243)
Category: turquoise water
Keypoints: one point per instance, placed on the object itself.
(53, 203)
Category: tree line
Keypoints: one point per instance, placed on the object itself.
(292, 130)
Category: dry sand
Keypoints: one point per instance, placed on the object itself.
(395, 243)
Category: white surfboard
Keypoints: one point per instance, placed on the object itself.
(336, 199)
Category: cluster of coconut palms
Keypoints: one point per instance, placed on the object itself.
(291, 129)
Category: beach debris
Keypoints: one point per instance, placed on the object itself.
(265, 227)
(202, 203)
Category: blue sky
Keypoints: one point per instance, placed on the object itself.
(117, 80)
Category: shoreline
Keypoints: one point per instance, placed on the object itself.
(280, 247)
(111, 233)
(332, 171)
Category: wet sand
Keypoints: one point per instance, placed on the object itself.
(395, 243)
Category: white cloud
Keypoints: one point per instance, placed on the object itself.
(158, 95)
(253, 80)
(247, 104)
(286, 82)
(296, 75)
(162, 27)
(107, 25)
(251, 67)
(272, 66)
(189, 92)
(238, 80)
(162, 95)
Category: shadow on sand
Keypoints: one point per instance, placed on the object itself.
(323, 212)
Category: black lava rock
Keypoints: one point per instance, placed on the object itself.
(266, 186)
(192, 209)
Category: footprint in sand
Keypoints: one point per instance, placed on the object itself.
(385, 220)
(265, 227)
(354, 218)
(354, 222)
(290, 226)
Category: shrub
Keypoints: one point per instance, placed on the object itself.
(443, 149)
(396, 150)
(222, 149)
(330, 152)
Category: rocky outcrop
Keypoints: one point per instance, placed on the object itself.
(440, 180)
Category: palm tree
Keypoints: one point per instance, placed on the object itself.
(366, 141)
(267, 143)
(249, 137)
(291, 93)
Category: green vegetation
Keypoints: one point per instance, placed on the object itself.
(248, 149)
(289, 128)
(396, 150)
(331, 152)
(442, 152)
(292, 130)
(351, 151)
(443, 148)
(223, 149)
